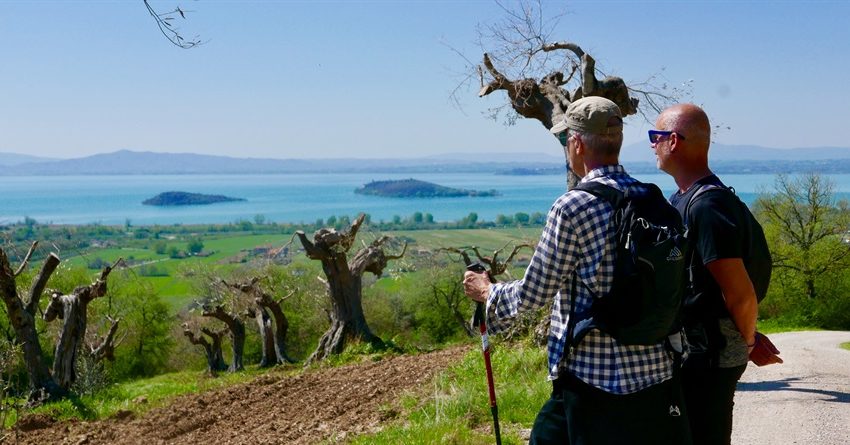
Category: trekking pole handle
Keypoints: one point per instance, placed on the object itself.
(478, 318)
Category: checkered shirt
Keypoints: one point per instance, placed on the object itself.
(578, 238)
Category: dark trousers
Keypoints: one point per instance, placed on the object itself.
(579, 414)
(709, 394)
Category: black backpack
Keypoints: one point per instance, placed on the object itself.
(758, 263)
(702, 311)
(644, 304)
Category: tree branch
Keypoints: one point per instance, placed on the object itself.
(38, 285)
(26, 258)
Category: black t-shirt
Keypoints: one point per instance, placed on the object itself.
(715, 232)
(720, 226)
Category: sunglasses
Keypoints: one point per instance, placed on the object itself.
(656, 136)
(564, 137)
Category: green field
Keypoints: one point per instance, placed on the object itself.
(225, 252)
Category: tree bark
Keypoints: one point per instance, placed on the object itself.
(106, 348)
(264, 323)
(22, 318)
(344, 283)
(237, 334)
(273, 335)
(281, 326)
(218, 356)
(212, 350)
(73, 311)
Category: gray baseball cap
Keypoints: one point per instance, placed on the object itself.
(592, 114)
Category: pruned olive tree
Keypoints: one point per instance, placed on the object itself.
(271, 321)
(541, 75)
(211, 342)
(21, 311)
(235, 326)
(72, 309)
(344, 283)
(533, 322)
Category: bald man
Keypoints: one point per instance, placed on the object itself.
(727, 258)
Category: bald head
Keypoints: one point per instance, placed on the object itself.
(689, 120)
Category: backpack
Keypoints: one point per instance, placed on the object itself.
(759, 263)
(702, 313)
(644, 304)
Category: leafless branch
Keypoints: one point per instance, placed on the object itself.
(24, 263)
(166, 27)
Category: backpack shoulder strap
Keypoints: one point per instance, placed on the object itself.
(600, 190)
(703, 189)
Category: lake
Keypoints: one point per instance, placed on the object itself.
(295, 197)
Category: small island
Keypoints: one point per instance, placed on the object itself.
(412, 188)
(186, 199)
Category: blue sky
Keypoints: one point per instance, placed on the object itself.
(288, 79)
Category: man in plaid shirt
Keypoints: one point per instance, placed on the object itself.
(603, 392)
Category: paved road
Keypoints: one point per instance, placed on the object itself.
(805, 400)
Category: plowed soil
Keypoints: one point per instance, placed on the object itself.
(317, 405)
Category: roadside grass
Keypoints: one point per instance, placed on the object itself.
(775, 325)
(125, 396)
(845, 346)
(457, 408)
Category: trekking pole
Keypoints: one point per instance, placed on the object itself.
(478, 320)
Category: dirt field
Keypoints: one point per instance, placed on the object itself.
(303, 409)
(804, 401)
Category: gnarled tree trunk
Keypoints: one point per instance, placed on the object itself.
(272, 329)
(281, 326)
(344, 283)
(73, 311)
(212, 350)
(237, 334)
(217, 355)
(264, 323)
(21, 315)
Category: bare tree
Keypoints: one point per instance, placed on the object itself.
(73, 311)
(535, 322)
(344, 283)
(495, 266)
(22, 312)
(542, 76)
(212, 347)
(273, 328)
(237, 332)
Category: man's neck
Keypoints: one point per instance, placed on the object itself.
(686, 179)
(592, 164)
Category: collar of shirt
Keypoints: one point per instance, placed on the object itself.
(605, 170)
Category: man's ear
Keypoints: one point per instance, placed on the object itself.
(579, 146)
(674, 142)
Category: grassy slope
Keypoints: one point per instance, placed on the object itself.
(457, 409)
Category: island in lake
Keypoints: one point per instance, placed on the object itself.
(412, 188)
(186, 199)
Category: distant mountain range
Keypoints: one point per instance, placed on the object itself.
(637, 157)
